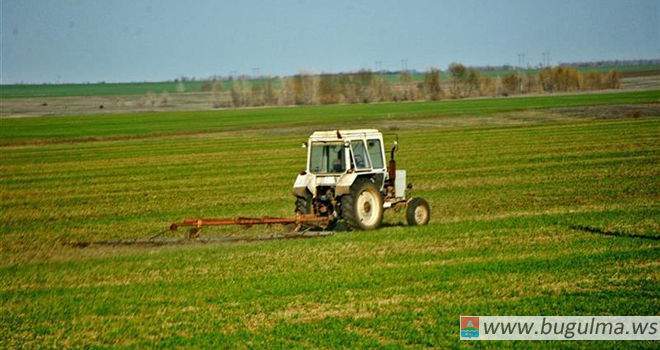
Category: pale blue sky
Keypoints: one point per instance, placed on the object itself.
(135, 40)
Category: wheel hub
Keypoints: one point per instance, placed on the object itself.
(366, 202)
(367, 207)
(420, 214)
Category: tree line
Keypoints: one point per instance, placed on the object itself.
(366, 86)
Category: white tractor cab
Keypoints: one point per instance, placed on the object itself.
(347, 179)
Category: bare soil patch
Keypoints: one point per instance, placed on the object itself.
(611, 111)
(650, 82)
(76, 105)
(645, 73)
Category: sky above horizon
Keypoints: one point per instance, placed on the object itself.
(72, 41)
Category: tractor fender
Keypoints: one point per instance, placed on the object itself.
(304, 183)
(344, 183)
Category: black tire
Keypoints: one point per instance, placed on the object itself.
(304, 204)
(418, 212)
(356, 218)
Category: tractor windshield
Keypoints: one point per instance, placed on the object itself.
(327, 157)
(360, 155)
(375, 153)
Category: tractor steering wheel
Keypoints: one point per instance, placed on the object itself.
(359, 161)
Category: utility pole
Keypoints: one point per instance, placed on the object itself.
(521, 64)
(521, 61)
(546, 58)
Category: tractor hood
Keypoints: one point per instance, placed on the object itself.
(309, 182)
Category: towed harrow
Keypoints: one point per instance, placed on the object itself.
(309, 222)
(299, 220)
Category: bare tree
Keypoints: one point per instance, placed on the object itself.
(511, 83)
(270, 95)
(287, 95)
(457, 74)
(432, 87)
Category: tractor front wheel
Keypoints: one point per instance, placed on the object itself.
(363, 207)
(418, 212)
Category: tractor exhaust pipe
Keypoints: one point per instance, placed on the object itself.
(391, 169)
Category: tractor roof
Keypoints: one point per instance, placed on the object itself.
(345, 134)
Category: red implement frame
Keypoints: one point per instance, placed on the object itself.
(300, 219)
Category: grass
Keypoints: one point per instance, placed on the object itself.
(94, 89)
(509, 182)
(150, 123)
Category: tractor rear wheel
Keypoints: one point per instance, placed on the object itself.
(418, 212)
(363, 207)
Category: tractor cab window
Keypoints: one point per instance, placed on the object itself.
(327, 157)
(360, 156)
(375, 153)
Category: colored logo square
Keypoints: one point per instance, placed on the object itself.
(469, 326)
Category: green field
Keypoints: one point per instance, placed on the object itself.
(138, 88)
(93, 89)
(39, 130)
(519, 194)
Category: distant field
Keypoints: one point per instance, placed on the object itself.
(111, 89)
(93, 89)
(135, 124)
(512, 183)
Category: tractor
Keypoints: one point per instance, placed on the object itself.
(347, 180)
